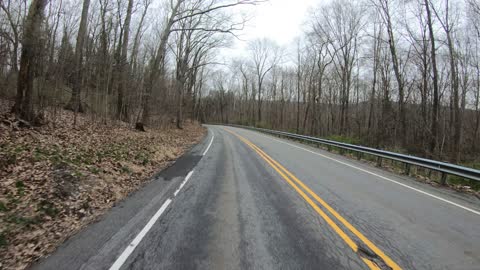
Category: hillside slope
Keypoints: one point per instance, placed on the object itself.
(56, 179)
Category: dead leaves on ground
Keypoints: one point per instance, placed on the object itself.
(55, 179)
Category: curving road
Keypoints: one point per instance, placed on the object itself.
(245, 200)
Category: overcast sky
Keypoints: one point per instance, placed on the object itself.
(279, 20)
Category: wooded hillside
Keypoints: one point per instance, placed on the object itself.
(390, 74)
(138, 61)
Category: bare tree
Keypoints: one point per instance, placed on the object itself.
(75, 101)
(448, 26)
(122, 113)
(341, 22)
(384, 6)
(264, 55)
(15, 23)
(181, 10)
(29, 60)
(436, 100)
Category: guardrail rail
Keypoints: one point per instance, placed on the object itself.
(443, 167)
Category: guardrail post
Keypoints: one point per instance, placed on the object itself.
(359, 155)
(341, 151)
(407, 169)
(443, 180)
(329, 148)
(379, 161)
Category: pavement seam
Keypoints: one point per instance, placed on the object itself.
(183, 183)
(138, 238)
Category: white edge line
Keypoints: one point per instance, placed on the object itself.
(380, 176)
(131, 247)
(210, 144)
(183, 183)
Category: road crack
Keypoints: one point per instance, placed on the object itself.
(365, 252)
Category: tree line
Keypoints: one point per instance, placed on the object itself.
(137, 61)
(403, 75)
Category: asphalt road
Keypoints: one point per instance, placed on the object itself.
(245, 200)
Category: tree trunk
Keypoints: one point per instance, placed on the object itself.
(23, 107)
(456, 99)
(398, 76)
(15, 55)
(136, 42)
(122, 112)
(157, 69)
(436, 101)
(373, 94)
(75, 100)
(477, 109)
(259, 102)
(424, 96)
(180, 110)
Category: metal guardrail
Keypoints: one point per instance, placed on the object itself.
(443, 167)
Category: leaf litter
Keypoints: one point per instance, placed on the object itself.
(56, 179)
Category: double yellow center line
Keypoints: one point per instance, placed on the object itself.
(293, 181)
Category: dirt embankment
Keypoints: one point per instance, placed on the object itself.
(57, 179)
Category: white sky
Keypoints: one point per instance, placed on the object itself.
(279, 20)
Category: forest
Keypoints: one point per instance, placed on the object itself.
(133, 61)
(398, 75)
